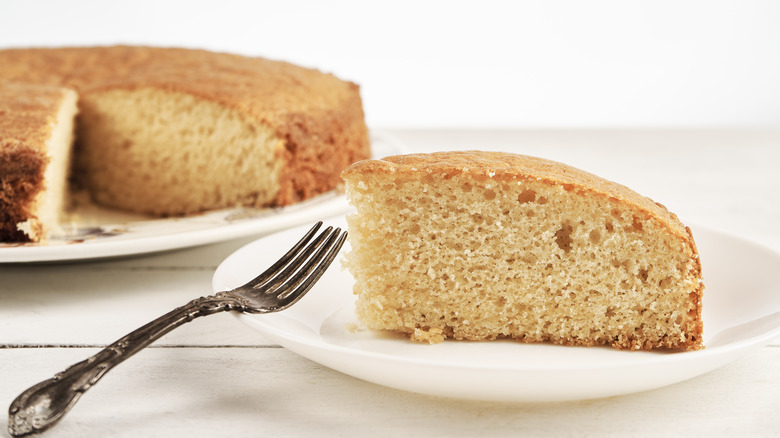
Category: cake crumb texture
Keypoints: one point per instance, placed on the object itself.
(481, 246)
(169, 131)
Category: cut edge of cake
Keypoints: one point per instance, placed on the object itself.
(495, 169)
(53, 201)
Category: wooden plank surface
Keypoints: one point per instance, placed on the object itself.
(267, 391)
(217, 377)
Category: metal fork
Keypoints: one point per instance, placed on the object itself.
(278, 288)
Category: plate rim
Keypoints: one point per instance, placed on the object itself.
(327, 204)
(711, 357)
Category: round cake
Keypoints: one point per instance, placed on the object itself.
(168, 131)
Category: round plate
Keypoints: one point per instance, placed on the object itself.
(104, 232)
(741, 312)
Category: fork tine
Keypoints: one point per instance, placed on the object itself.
(285, 259)
(310, 273)
(320, 269)
(298, 286)
(274, 282)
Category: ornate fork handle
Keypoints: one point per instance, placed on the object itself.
(277, 288)
(44, 404)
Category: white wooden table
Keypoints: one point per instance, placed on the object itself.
(217, 377)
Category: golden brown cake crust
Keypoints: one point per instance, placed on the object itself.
(27, 115)
(508, 166)
(312, 111)
(249, 84)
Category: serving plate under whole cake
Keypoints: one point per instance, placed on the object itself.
(741, 313)
(101, 233)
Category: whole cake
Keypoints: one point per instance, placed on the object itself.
(36, 132)
(482, 245)
(167, 131)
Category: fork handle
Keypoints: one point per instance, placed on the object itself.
(42, 405)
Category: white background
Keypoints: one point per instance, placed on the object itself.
(481, 64)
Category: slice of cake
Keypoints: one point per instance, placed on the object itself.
(166, 131)
(480, 246)
(36, 132)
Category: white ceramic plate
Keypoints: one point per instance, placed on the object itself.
(741, 313)
(107, 233)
